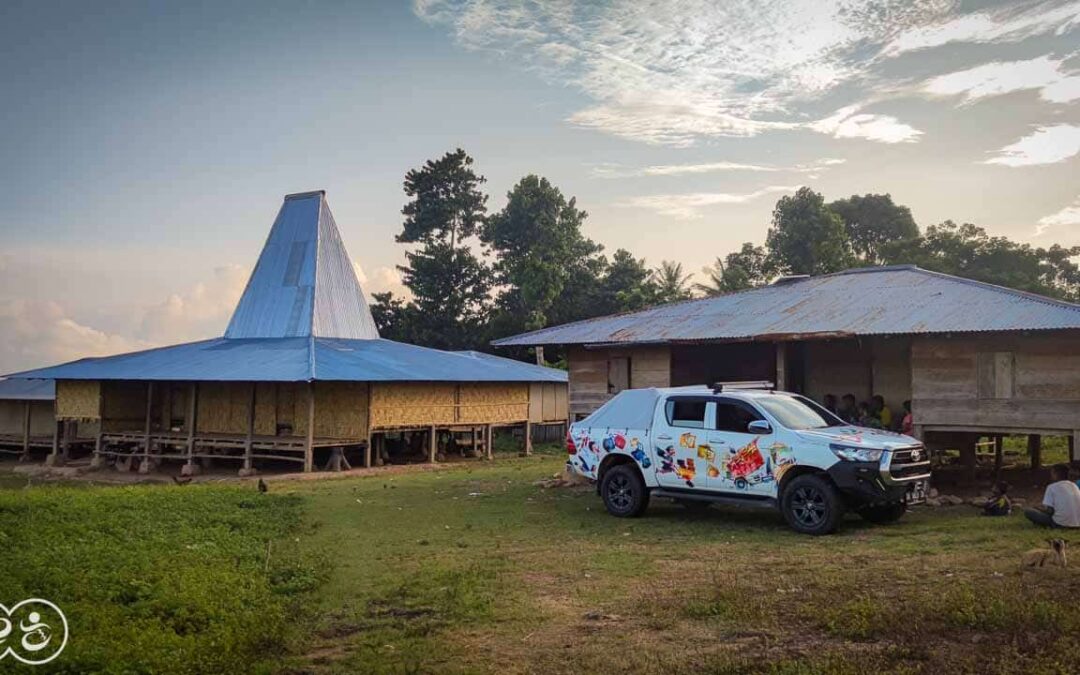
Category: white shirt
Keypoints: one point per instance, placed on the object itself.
(1064, 497)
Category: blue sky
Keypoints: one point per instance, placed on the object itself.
(148, 144)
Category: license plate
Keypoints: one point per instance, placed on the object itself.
(916, 492)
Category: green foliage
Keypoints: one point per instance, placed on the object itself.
(671, 283)
(160, 579)
(746, 268)
(446, 202)
(874, 222)
(806, 237)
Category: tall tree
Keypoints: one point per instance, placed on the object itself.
(806, 237)
(539, 246)
(874, 223)
(746, 268)
(670, 281)
(448, 282)
(625, 286)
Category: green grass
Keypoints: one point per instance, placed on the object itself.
(477, 569)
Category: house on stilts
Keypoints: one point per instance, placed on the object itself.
(300, 375)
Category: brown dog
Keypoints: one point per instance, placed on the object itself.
(1046, 557)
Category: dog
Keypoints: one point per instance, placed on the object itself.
(1046, 557)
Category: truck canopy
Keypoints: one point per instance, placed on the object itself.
(630, 409)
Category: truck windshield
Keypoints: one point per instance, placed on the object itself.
(796, 412)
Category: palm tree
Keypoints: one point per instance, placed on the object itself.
(671, 282)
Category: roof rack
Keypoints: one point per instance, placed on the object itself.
(719, 387)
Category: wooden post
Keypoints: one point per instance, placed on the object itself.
(144, 466)
(999, 456)
(1035, 450)
(528, 438)
(432, 445)
(54, 457)
(968, 458)
(489, 441)
(539, 356)
(781, 366)
(192, 423)
(370, 435)
(247, 469)
(1072, 446)
(309, 440)
(26, 431)
(475, 443)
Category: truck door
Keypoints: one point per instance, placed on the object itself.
(679, 429)
(744, 461)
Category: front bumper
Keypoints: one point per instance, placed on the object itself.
(871, 483)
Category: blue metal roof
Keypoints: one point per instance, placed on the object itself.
(897, 300)
(304, 283)
(27, 390)
(299, 360)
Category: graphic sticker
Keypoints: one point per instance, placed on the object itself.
(688, 440)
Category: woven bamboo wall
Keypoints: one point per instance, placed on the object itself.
(78, 400)
(493, 403)
(341, 409)
(402, 404)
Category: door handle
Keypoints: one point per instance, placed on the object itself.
(663, 437)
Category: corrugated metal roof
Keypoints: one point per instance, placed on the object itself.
(897, 300)
(299, 360)
(304, 283)
(27, 390)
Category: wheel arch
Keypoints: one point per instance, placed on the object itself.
(615, 459)
(801, 470)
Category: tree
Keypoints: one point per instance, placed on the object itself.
(448, 282)
(806, 237)
(874, 223)
(538, 245)
(738, 271)
(625, 286)
(671, 284)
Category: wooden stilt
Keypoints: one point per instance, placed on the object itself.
(247, 469)
(367, 452)
(528, 438)
(1035, 450)
(191, 423)
(97, 460)
(433, 445)
(144, 466)
(475, 443)
(309, 441)
(54, 457)
(968, 457)
(489, 441)
(999, 456)
(1074, 455)
(26, 431)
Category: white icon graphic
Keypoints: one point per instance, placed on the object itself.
(34, 631)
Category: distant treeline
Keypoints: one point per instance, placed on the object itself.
(536, 269)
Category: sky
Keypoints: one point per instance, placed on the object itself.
(147, 145)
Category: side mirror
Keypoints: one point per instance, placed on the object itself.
(759, 427)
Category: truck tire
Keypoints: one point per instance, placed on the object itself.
(624, 492)
(811, 506)
(887, 513)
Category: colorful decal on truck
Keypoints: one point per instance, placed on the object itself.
(688, 440)
(590, 452)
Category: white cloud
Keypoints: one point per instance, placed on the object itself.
(675, 71)
(40, 334)
(688, 206)
(994, 79)
(199, 313)
(1070, 215)
(850, 123)
(384, 279)
(617, 171)
(1011, 24)
(1046, 145)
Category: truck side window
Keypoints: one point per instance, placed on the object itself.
(686, 412)
(735, 416)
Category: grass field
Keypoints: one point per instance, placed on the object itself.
(477, 569)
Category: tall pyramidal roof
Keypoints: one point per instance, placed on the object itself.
(304, 284)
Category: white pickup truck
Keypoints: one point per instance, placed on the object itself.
(758, 447)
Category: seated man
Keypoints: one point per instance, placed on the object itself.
(1061, 503)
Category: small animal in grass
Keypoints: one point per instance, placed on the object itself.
(262, 486)
(181, 481)
(1046, 557)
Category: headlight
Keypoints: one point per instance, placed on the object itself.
(852, 454)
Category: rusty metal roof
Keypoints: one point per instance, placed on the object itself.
(895, 300)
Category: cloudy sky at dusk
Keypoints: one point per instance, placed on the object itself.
(147, 145)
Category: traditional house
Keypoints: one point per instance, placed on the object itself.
(975, 360)
(300, 375)
(28, 423)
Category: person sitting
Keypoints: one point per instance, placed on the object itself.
(907, 424)
(881, 411)
(830, 403)
(846, 410)
(998, 504)
(1061, 503)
